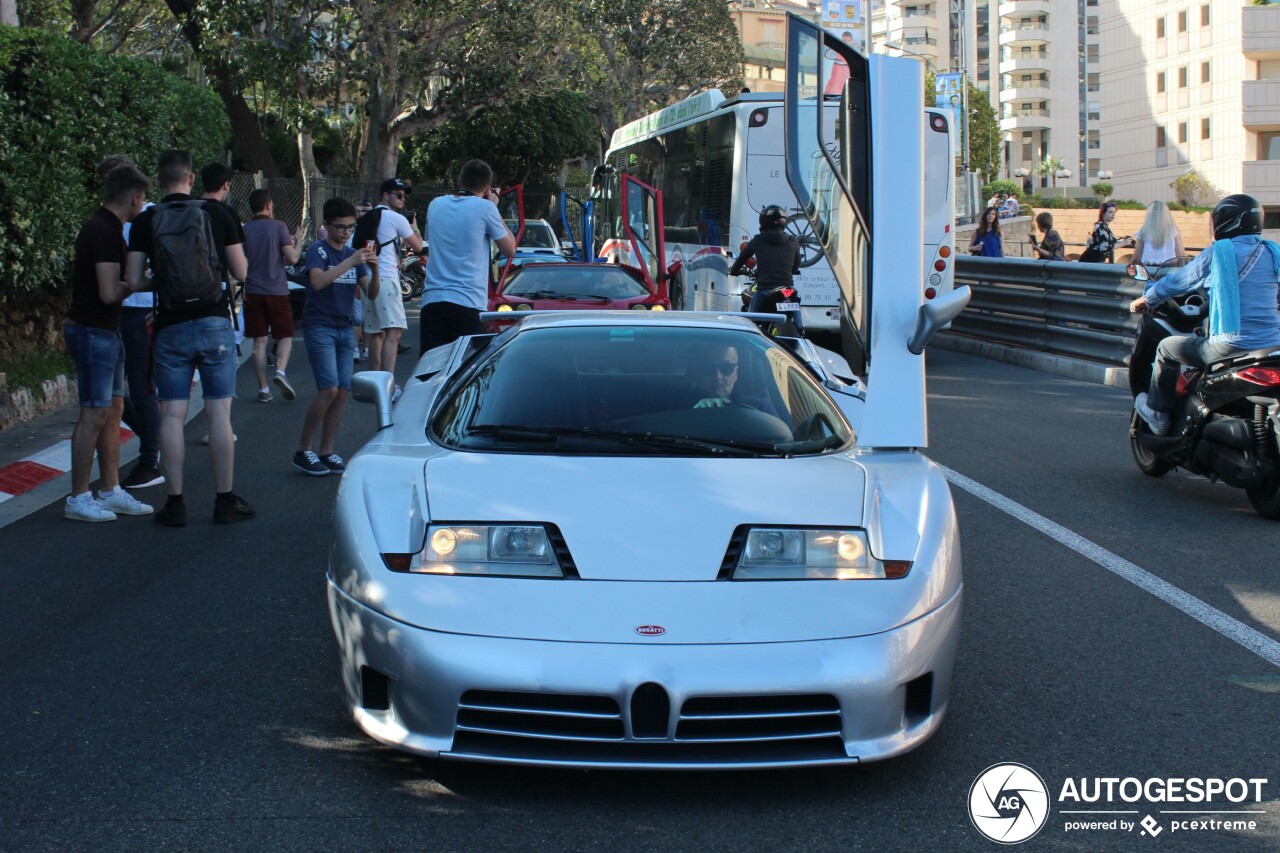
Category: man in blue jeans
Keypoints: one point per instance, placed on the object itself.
(92, 330)
(187, 340)
(335, 271)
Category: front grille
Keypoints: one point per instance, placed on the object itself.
(719, 730)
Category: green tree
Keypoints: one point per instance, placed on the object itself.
(636, 56)
(1191, 187)
(1103, 190)
(527, 140)
(984, 134)
(1049, 168)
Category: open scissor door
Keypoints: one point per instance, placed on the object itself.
(642, 224)
(511, 207)
(575, 216)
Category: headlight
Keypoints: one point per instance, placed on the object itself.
(504, 307)
(512, 550)
(524, 306)
(640, 306)
(781, 553)
(657, 308)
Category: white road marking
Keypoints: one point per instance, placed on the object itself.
(1233, 629)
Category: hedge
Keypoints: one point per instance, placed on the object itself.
(63, 107)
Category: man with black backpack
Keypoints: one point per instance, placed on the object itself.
(186, 239)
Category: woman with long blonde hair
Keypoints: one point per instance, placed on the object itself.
(1158, 240)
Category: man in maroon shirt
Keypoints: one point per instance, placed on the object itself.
(92, 331)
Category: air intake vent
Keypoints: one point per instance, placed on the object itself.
(375, 690)
(759, 718)
(650, 711)
(919, 701)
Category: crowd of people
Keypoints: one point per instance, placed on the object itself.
(154, 308)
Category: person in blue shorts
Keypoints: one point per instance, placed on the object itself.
(334, 272)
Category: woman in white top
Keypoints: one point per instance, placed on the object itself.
(1157, 241)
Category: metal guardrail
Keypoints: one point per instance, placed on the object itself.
(1059, 307)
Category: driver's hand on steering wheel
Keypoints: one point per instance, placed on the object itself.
(1138, 305)
(711, 403)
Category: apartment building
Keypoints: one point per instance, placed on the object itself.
(1191, 85)
(762, 27)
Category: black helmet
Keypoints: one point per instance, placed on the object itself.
(1235, 215)
(773, 216)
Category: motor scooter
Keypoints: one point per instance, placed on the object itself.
(784, 300)
(1225, 424)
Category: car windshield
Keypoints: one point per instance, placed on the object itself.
(537, 235)
(640, 390)
(596, 281)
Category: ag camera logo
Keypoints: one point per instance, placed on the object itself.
(1008, 803)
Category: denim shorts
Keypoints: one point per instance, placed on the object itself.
(207, 345)
(99, 358)
(331, 351)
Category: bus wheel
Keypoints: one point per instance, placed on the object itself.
(677, 293)
(810, 251)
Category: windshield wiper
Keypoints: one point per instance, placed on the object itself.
(552, 294)
(519, 432)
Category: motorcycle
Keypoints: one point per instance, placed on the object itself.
(413, 274)
(1225, 424)
(784, 300)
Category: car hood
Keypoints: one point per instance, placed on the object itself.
(646, 518)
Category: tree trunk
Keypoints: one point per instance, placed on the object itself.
(380, 151)
(312, 205)
(9, 12)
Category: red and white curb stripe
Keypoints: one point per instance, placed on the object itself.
(22, 476)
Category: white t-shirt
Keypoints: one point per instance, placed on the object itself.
(1152, 254)
(392, 228)
(143, 298)
(459, 228)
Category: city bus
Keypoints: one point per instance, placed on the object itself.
(718, 162)
(939, 203)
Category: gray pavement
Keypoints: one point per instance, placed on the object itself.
(177, 689)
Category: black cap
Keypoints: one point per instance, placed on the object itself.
(390, 185)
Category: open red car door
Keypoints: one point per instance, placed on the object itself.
(642, 224)
(511, 206)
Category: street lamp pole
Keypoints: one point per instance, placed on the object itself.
(1064, 174)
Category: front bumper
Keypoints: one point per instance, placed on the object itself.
(634, 705)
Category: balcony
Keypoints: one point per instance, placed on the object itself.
(1031, 34)
(1028, 92)
(1262, 178)
(1260, 26)
(914, 31)
(1029, 61)
(1021, 8)
(1035, 119)
(1261, 100)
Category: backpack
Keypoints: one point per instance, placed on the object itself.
(367, 230)
(184, 257)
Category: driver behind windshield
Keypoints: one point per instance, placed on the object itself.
(713, 369)
(1242, 271)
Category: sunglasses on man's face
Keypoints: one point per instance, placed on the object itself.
(724, 368)
(397, 195)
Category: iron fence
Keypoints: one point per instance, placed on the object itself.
(1059, 307)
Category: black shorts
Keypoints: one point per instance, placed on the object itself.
(444, 322)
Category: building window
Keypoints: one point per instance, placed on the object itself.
(1204, 128)
(1159, 28)
(1182, 21)
(1204, 72)
(1184, 75)
(771, 32)
(1269, 146)
(1183, 132)
(1161, 141)
(1204, 16)
(1160, 82)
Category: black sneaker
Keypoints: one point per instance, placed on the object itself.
(235, 508)
(334, 463)
(143, 476)
(308, 463)
(403, 348)
(172, 515)
(283, 384)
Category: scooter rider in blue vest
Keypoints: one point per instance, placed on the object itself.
(1242, 271)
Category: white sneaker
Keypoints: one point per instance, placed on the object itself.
(1158, 422)
(123, 503)
(395, 396)
(85, 508)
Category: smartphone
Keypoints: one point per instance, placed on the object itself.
(371, 245)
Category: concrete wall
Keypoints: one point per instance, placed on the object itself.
(1075, 225)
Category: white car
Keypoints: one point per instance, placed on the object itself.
(642, 540)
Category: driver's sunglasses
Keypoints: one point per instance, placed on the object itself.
(725, 368)
(397, 195)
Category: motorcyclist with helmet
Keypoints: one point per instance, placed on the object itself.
(777, 255)
(1242, 271)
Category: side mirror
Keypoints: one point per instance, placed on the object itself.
(936, 314)
(1138, 272)
(377, 387)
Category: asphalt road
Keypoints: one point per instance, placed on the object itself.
(177, 689)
